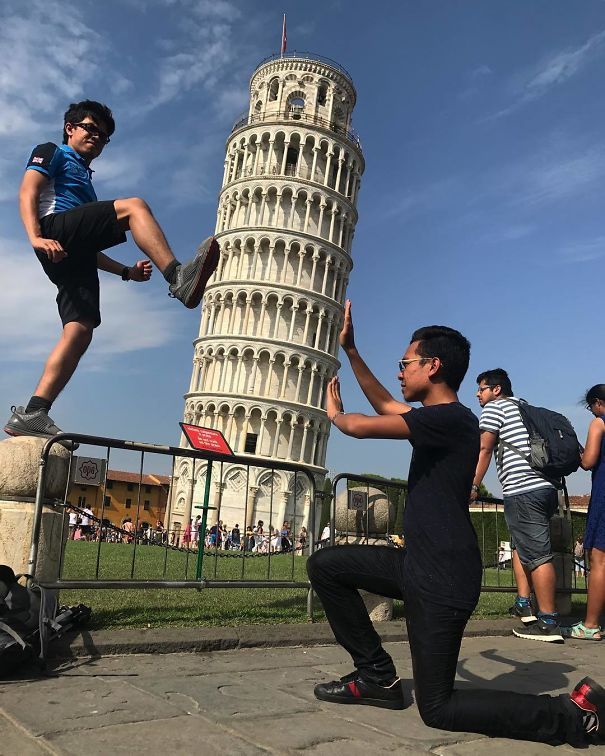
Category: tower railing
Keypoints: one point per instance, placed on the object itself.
(297, 117)
(306, 56)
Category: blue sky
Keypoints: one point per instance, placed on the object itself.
(480, 207)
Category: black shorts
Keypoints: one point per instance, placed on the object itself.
(83, 232)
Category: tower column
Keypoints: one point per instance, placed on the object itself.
(328, 161)
(292, 322)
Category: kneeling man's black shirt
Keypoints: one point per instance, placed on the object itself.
(443, 562)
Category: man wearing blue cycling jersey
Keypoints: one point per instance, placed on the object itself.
(69, 230)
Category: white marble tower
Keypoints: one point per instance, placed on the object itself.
(271, 314)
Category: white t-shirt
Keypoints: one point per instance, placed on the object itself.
(86, 515)
(503, 418)
(73, 518)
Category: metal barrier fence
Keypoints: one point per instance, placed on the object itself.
(145, 563)
(487, 515)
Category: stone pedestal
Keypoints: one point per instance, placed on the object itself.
(365, 516)
(19, 469)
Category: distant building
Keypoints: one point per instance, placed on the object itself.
(580, 502)
(125, 494)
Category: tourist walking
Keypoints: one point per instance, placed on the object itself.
(529, 503)
(593, 458)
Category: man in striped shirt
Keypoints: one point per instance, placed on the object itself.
(529, 502)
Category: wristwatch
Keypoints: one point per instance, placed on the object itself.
(125, 273)
(475, 488)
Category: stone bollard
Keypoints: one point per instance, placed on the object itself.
(19, 469)
(561, 543)
(366, 516)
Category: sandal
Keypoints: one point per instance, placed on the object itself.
(581, 632)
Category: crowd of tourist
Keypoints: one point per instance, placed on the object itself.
(256, 539)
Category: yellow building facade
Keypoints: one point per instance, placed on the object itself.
(142, 498)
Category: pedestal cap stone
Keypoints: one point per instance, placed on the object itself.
(379, 518)
(20, 467)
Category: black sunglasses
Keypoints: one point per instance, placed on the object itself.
(93, 130)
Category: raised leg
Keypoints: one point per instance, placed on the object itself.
(64, 359)
(135, 215)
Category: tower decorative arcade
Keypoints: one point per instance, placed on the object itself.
(273, 310)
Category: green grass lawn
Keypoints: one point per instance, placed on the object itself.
(116, 608)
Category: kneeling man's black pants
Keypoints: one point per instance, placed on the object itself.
(435, 634)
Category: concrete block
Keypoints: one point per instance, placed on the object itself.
(16, 526)
(19, 470)
(378, 518)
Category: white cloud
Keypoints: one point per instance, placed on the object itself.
(476, 79)
(552, 71)
(124, 169)
(556, 173)
(419, 201)
(40, 75)
(133, 318)
(583, 251)
(201, 57)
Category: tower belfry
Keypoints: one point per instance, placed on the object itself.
(272, 312)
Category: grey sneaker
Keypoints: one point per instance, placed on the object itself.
(192, 277)
(524, 613)
(39, 424)
(541, 631)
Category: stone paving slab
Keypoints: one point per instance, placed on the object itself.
(260, 700)
(14, 740)
(69, 704)
(181, 735)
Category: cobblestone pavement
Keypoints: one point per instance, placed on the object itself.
(255, 701)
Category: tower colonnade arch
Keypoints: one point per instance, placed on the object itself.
(283, 259)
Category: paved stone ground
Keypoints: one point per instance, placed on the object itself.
(254, 701)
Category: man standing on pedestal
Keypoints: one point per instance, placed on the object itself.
(69, 229)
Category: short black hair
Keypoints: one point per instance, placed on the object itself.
(77, 111)
(496, 377)
(452, 348)
(594, 393)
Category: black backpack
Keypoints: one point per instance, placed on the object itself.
(28, 620)
(554, 446)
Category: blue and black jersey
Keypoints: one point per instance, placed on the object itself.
(70, 183)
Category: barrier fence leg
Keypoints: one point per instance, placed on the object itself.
(201, 542)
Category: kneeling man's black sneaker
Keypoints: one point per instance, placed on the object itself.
(352, 689)
(541, 631)
(589, 696)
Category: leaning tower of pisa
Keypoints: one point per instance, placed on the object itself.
(271, 314)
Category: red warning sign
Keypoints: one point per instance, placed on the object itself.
(206, 439)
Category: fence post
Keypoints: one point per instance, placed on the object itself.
(201, 541)
(562, 548)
